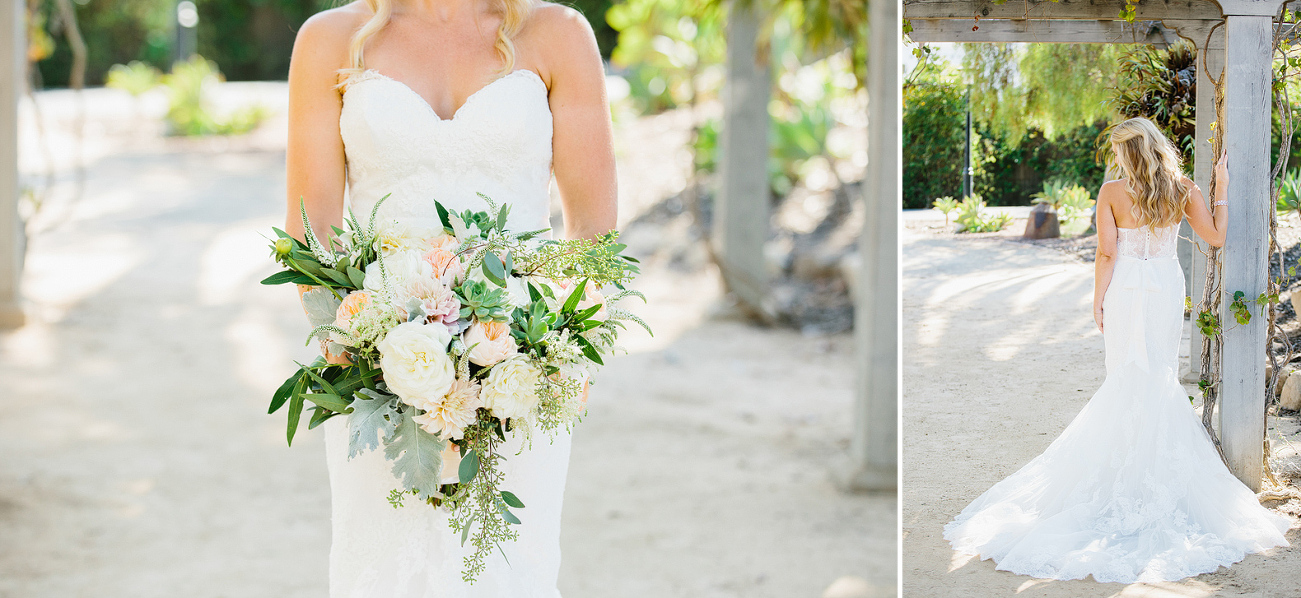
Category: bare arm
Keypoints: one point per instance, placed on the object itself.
(1211, 225)
(1104, 262)
(582, 142)
(314, 160)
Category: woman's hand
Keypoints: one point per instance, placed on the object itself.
(1222, 170)
(1097, 317)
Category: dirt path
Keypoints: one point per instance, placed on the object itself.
(138, 461)
(1001, 354)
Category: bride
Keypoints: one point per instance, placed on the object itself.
(1133, 489)
(441, 100)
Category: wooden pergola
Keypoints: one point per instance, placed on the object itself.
(1233, 38)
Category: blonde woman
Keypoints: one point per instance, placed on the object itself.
(1133, 490)
(444, 99)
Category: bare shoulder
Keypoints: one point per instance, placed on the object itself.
(325, 35)
(1111, 190)
(559, 38)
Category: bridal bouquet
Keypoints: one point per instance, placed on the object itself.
(452, 338)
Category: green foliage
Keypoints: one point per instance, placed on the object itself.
(480, 301)
(1068, 200)
(116, 31)
(417, 456)
(972, 217)
(945, 205)
(1161, 85)
(934, 133)
(1289, 193)
(188, 112)
(134, 78)
(671, 51)
(1010, 173)
(1052, 88)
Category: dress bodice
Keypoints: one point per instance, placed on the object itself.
(498, 143)
(1147, 243)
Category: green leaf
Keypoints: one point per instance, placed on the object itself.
(282, 394)
(282, 277)
(501, 217)
(357, 277)
(512, 500)
(319, 415)
(575, 296)
(295, 410)
(328, 401)
(442, 216)
(509, 517)
(585, 314)
(493, 269)
(337, 276)
(469, 467)
(417, 456)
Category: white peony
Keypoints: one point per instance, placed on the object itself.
(403, 269)
(511, 389)
(392, 237)
(416, 366)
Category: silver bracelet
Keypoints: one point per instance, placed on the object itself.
(1221, 203)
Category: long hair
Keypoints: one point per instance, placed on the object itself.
(513, 14)
(1151, 164)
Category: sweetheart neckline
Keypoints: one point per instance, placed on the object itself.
(455, 113)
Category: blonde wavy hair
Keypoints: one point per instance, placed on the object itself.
(513, 13)
(1151, 165)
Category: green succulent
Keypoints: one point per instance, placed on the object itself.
(482, 302)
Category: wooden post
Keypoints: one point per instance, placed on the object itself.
(876, 321)
(1208, 58)
(741, 212)
(13, 67)
(1248, 61)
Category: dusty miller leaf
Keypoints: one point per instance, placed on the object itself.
(374, 416)
(417, 457)
(321, 306)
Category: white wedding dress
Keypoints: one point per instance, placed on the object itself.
(499, 144)
(1133, 490)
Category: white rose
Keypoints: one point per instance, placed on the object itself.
(416, 366)
(511, 389)
(403, 269)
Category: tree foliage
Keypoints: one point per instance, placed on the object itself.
(1161, 85)
(1054, 88)
(934, 132)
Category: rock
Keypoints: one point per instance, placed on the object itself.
(850, 586)
(1042, 223)
(1290, 398)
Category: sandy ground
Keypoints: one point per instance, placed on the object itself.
(1001, 353)
(138, 460)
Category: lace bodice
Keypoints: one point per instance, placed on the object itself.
(1147, 243)
(498, 143)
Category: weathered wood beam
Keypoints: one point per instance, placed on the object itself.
(13, 67)
(1247, 77)
(1086, 10)
(875, 445)
(1043, 31)
(741, 211)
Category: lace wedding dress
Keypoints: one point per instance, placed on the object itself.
(499, 144)
(1133, 490)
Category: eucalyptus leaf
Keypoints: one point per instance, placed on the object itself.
(469, 467)
(512, 500)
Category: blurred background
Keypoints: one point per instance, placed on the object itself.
(138, 459)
